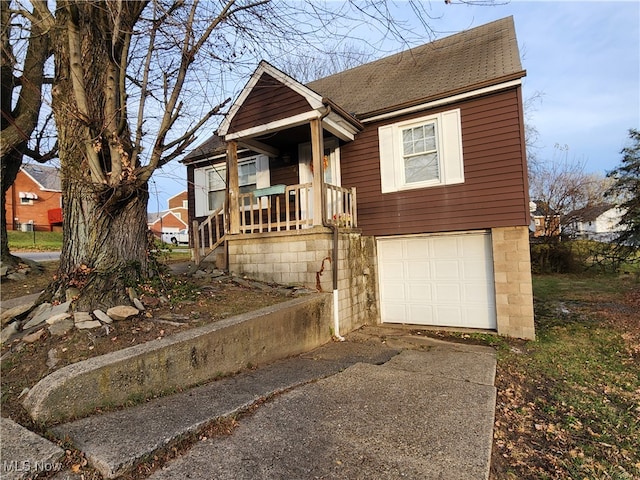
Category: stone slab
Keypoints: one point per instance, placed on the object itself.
(113, 449)
(45, 311)
(62, 327)
(16, 311)
(24, 453)
(103, 317)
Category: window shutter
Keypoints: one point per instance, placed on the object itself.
(387, 153)
(452, 147)
(263, 179)
(200, 189)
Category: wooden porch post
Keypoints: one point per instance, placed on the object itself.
(317, 153)
(232, 187)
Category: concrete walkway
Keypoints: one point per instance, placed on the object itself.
(384, 404)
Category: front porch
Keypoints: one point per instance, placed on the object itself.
(280, 208)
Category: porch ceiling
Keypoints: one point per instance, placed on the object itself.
(282, 141)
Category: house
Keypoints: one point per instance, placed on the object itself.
(400, 185)
(172, 220)
(545, 221)
(598, 222)
(178, 204)
(34, 201)
(165, 222)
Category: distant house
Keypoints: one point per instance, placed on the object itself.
(599, 222)
(545, 221)
(172, 220)
(400, 184)
(34, 201)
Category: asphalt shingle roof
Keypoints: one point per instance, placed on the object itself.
(479, 57)
(48, 177)
(476, 58)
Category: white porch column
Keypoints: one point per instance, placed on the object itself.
(317, 153)
(232, 187)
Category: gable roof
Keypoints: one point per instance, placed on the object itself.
(214, 145)
(48, 178)
(483, 56)
(154, 217)
(590, 213)
(469, 61)
(256, 110)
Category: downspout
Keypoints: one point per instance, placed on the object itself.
(334, 257)
(334, 265)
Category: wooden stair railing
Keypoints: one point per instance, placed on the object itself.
(209, 235)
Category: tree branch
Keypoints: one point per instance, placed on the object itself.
(23, 120)
(80, 95)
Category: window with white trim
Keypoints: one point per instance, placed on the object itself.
(422, 152)
(247, 181)
(210, 182)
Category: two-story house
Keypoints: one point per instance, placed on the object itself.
(400, 185)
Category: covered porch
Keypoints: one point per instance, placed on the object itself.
(281, 164)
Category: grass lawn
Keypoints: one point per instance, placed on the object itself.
(52, 241)
(569, 403)
(41, 241)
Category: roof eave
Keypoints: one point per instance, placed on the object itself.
(469, 89)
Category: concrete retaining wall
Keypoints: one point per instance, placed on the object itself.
(182, 360)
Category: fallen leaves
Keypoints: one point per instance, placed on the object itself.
(568, 405)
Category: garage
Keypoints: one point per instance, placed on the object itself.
(438, 280)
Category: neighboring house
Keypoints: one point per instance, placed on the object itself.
(172, 220)
(600, 222)
(34, 201)
(546, 221)
(179, 205)
(401, 185)
(165, 222)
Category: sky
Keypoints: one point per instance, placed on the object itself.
(583, 77)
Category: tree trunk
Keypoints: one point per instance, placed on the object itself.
(104, 201)
(103, 252)
(10, 166)
(17, 124)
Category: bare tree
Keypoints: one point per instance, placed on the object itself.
(309, 65)
(22, 75)
(562, 191)
(531, 133)
(559, 187)
(134, 82)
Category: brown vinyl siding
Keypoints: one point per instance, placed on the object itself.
(268, 101)
(494, 193)
(282, 174)
(191, 195)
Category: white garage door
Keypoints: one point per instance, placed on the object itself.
(441, 280)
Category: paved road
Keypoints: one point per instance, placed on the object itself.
(39, 256)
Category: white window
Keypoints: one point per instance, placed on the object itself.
(210, 182)
(247, 181)
(422, 152)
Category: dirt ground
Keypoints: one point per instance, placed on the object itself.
(175, 303)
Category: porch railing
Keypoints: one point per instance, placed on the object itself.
(291, 208)
(209, 234)
(341, 206)
(274, 209)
